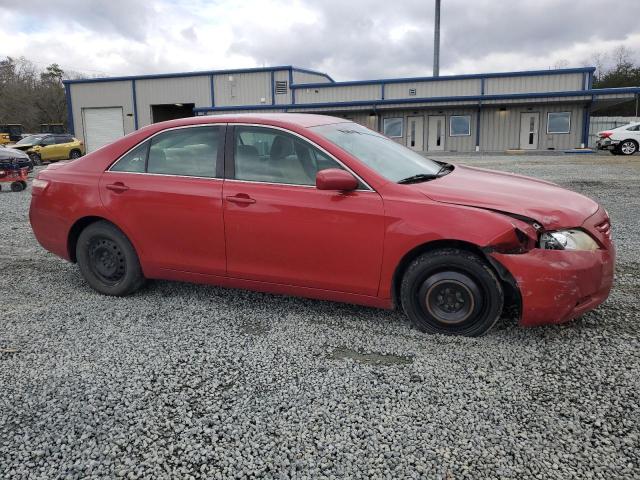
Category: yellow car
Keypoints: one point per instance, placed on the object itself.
(50, 147)
(4, 138)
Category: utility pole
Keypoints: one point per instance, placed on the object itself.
(436, 42)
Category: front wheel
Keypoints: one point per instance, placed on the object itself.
(75, 154)
(108, 261)
(453, 292)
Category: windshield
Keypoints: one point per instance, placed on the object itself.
(390, 159)
(30, 140)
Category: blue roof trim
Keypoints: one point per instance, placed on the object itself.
(526, 73)
(189, 74)
(70, 126)
(478, 98)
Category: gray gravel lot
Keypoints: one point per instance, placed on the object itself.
(189, 381)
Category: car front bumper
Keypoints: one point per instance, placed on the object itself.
(557, 286)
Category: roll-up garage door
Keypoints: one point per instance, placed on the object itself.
(102, 126)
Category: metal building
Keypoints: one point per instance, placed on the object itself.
(532, 110)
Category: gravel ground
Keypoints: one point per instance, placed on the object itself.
(190, 381)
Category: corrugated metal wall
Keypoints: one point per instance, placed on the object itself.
(281, 98)
(242, 89)
(304, 77)
(442, 88)
(500, 130)
(104, 94)
(160, 91)
(351, 93)
(465, 143)
(536, 83)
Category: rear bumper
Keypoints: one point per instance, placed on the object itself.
(607, 144)
(49, 228)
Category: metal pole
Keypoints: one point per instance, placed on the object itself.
(436, 42)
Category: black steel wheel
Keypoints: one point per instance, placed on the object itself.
(107, 260)
(453, 292)
(75, 154)
(628, 147)
(17, 187)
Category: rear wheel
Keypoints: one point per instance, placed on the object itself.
(453, 292)
(628, 147)
(108, 261)
(75, 154)
(17, 187)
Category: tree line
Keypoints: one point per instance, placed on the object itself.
(31, 96)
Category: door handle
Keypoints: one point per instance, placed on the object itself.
(241, 199)
(117, 187)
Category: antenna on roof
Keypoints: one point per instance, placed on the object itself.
(436, 42)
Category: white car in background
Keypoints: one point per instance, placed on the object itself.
(620, 141)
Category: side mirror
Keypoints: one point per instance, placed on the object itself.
(336, 179)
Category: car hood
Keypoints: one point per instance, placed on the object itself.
(547, 203)
(23, 146)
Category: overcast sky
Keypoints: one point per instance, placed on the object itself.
(349, 39)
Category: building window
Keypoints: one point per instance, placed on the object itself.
(459, 125)
(559, 122)
(392, 127)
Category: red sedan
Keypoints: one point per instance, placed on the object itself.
(319, 207)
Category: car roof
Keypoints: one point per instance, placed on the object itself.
(304, 120)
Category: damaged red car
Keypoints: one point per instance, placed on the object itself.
(320, 207)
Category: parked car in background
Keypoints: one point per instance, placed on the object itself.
(18, 156)
(320, 207)
(620, 141)
(10, 132)
(50, 147)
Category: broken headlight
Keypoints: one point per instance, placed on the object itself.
(567, 240)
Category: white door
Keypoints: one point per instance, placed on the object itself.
(102, 126)
(529, 126)
(415, 133)
(437, 133)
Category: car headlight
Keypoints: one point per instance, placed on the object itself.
(568, 240)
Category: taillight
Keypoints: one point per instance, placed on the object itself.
(38, 186)
(605, 134)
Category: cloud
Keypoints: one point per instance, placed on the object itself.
(355, 39)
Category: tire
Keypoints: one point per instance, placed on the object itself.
(108, 261)
(35, 159)
(453, 292)
(17, 187)
(75, 154)
(24, 184)
(628, 147)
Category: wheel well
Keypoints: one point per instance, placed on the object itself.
(74, 233)
(512, 299)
